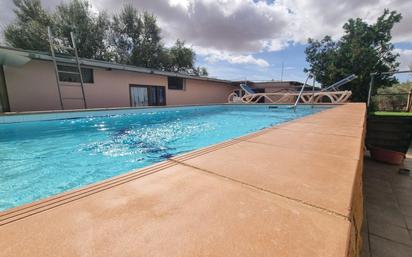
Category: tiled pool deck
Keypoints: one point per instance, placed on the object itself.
(387, 229)
(291, 190)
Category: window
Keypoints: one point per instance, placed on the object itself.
(87, 74)
(175, 83)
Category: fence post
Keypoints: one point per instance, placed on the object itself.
(370, 89)
(409, 102)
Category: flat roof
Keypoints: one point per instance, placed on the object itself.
(279, 82)
(273, 82)
(38, 55)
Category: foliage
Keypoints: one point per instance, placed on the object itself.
(30, 29)
(201, 71)
(182, 57)
(90, 30)
(129, 37)
(392, 98)
(362, 49)
(149, 52)
(125, 33)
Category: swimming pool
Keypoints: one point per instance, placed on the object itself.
(43, 158)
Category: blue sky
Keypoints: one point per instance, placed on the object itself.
(250, 39)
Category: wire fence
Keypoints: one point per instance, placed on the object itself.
(391, 102)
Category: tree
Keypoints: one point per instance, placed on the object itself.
(393, 98)
(201, 71)
(363, 49)
(182, 58)
(129, 38)
(126, 30)
(149, 51)
(29, 30)
(90, 29)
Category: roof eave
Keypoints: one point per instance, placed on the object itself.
(107, 65)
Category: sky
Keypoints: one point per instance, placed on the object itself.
(251, 39)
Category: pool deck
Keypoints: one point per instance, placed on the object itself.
(291, 190)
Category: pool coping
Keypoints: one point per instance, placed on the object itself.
(34, 116)
(37, 207)
(7, 114)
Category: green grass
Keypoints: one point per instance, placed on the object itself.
(403, 114)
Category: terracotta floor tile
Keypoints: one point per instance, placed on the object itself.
(322, 129)
(312, 142)
(321, 180)
(178, 211)
(347, 120)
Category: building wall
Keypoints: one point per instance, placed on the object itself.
(111, 88)
(277, 87)
(199, 92)
(33, 88)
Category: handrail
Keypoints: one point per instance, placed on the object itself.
(341, 82)
(301, 92)
(312, 100)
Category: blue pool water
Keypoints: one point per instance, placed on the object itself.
(42, 158)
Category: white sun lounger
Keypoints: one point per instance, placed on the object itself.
(334, 96)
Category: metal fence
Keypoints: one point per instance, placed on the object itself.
(391, 102)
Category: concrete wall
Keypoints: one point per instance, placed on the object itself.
(277, 87)
(199, 92)
(274, 86)
(33, 88)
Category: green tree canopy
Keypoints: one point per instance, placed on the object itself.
(150, 50)
(129, 37)
(29, 31)
(182, 57)
(364, 48)
(125, 33)
(90, 29)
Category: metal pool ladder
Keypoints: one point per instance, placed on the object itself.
(303, 89)
(333, 87)
(53, 46)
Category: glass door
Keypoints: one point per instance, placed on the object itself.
(147, 95)
(139, 96)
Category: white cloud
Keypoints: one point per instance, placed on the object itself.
(247, 26)
(318, 18)
(233, 30)
(212, 56)
(237, 59)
